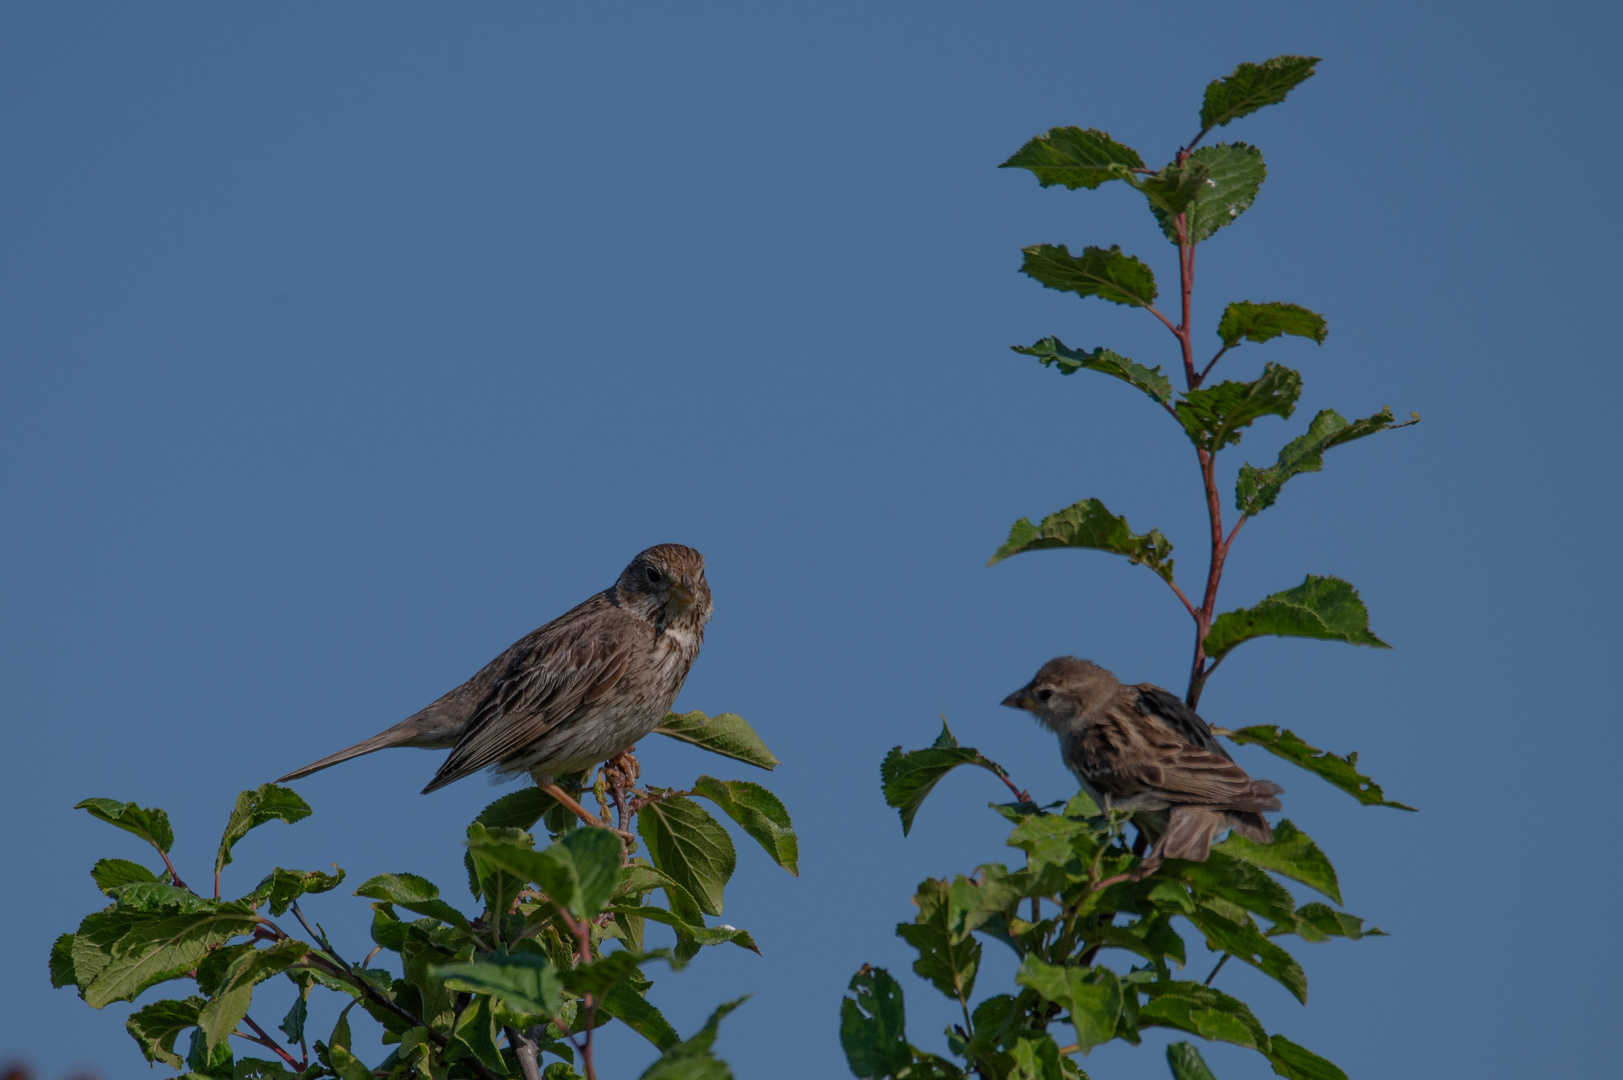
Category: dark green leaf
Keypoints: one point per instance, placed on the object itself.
(111, 873)
(159, 896)
(873, 1025)
(1200, 1010)
(579, 871)
(690, 846)
(476, 1031)
(149, 823)
(636, 1012)
(1253, 86)
(260, 1069)
(1052, 351)
(908, 778)
(1256, 489)
(1107, 274)
(1035, 1057)
(519, 809)
(292, 1024)
(281, 887)
(495, 884)
(1186, 1063)
(1088, 524)
(414, 894)
(1292, 854)
(524, 982)
(1325, 608)
(1296, 1063)
(1215, 417)
(268, 802)
(1263, 322)
(1246, 942)
(691, 932)
(1340, 771)
(759, 813)
(1171, 190)
(1238, 882)
(948, 960)
(1233, 174)
(214, 1063)
(159, 947)
(1321, 922)
(693, 1060)
(1074, 157)
(726, 734)
(1091, 996)
(230, 1001)
(62, 970)
(157, 1024)
(1050, 840)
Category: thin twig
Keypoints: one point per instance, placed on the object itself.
(1193, 614)
(174, 877)
(268, 1043)
(1208, 370)
(1166, 322)
(1221, 961)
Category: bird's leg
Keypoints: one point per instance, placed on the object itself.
(622, 772)
(580, 811)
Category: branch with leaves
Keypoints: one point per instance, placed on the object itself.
(557, 952)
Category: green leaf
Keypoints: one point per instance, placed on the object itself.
(1035, 1057)
(1233, 174)
(908, 778)
(1292, 854)
(157, 1024)
(1214, 417)
(475, 1033)
(1253, 86)
(214, 1063)
(726, 734)
(260, 1069)
(1092, 996)
(1340, 771)
(155, 948)
(873, 1025)
(1088, 524)
(268, 802)
(759, 813)
(639, 1014)
(149, 823)
(525, 982)
(1052, 351)
(693, 1060)
(602, 975)
(62, 969)
(159, 896)
(1107, 274)
(1186, 1063)
(1075, 157)
(230, 1001)
(948, 960)
(281, 887)
(1321, 922)
(519, 809)
(292, 1024)
(578, 872)
(1174, 188)
(1264, 322)
(1245, 942)
(1200, 1010)
(495, 884)
(1325, 608)
(691, 932)
(414, 894)
(1256, 489)
(688, 844)
(1237, 882)
(111, 873)
(1297, 1063)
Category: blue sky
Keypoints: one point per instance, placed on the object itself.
(345, 344)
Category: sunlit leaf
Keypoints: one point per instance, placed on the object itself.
(726, 734)
(111, 873)
(1252, 86)
(909, 777)
(157, 1024)
(1092, 996)
(759, 813)
(159, 947)
(1247, 943)
(687, 843)
(1326, 608)
(149, 823)
(1215, 417)
(1088, 524)
(1200, 1010)
(948, 960)
(1232, 175)
(1264, 322)
(1256, 489)
(1292, 854)
(525, 982)
(268, 802)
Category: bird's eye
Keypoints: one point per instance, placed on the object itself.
(1044, 695)
(653, 575)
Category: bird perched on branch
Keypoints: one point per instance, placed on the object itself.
(1145, 750)
(580, 690)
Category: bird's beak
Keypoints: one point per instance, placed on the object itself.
(682, 593)
(1020, 699)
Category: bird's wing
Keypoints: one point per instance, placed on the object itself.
(1170, 710)
(1154, 742)
(569, 663)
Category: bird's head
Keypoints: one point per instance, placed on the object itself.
(667, 583)
(1063, 691)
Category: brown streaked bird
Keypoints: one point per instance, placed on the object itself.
(578, 691)
(1143, 749)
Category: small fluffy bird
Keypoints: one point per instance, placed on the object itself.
(580, 690)
(1143, 749)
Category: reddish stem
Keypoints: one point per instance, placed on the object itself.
(583, 954)
(270, 1044)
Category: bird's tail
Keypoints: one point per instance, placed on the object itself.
(1189, 833)
(429, 729)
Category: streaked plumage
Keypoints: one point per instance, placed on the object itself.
(1143, 749)
(575, 692)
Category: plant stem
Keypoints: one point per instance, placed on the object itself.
(528, 1054)
(1223, 960)
(583, 955)
(270, 1044)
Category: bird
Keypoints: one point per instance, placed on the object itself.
(1143, 749)
(578, 691)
